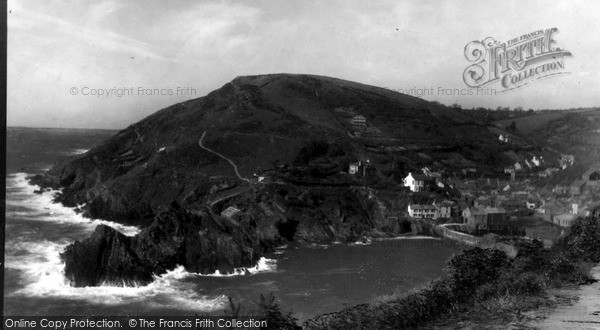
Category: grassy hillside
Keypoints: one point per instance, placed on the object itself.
(259, 122)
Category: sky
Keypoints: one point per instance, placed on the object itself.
(68, 61)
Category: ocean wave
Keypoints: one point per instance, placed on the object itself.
(366, 241)
(406, 237)
(42, 270)
(41, 207)
(44, 277)
(264, 265)
(75, 152)
(316, 246)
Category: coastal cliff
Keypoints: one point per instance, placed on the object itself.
(216, 182)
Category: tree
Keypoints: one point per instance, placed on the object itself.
(476, 267)
(276, 319)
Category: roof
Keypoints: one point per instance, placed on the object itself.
(444, 204)
(590, 171)
(577, 183)
(421, 177)
(476, 211)
(565, 216)
(230, 212)
(489, 210)
(421, 207)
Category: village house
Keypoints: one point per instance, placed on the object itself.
(490, 183)
(514, 204)
(566, 161)
(483, 201)
(480, 217)
(362, 169)
(354, 168)
(430, 173)
(576, 187)
(565, 219)
(518, 166)
(592, 177)
(561, 189)
(359, 120)
(422, 211)
(474, 217)
(531, 204)
(549, 210)
(231, 212)
(444, 209)
(418, 182)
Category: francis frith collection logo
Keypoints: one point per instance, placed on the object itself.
(515, 63)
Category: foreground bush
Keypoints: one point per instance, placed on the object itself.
(483, 280)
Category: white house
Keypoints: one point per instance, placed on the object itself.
(353, 168)
(518, 166)
(417, 182)
(422, 211)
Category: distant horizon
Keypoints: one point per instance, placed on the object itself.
(122, 128)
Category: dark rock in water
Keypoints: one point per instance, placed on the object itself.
(38, 191)
(173, 239)
(105, 257)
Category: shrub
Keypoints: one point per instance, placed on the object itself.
(583, 241)
(313, 150)
(531, 256)
(563, 270)
(275, 317)
(475, 267)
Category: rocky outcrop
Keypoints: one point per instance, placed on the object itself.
(105, 257)
(197, 241)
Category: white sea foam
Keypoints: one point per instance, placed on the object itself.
(406, 238)
(43, 270)
(44, 277)
(316, 246)
(264, 265)
(42, 208)
(75, 151)
(366, 241)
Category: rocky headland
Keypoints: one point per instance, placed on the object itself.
(289, 138)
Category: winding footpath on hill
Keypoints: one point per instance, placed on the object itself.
(583, 314)
(237, 173)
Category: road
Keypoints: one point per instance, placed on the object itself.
(584, 314)
(235, 168)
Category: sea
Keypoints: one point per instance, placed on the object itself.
(308, 280)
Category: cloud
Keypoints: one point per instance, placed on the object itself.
(24, 20)
(53, 46)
